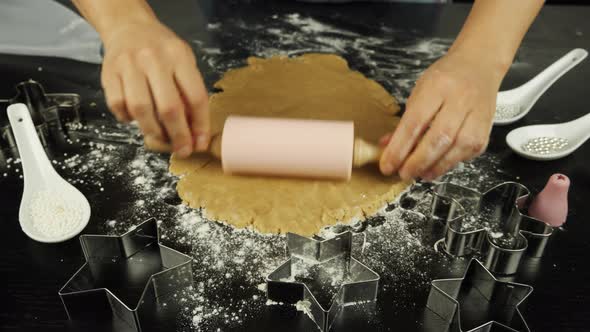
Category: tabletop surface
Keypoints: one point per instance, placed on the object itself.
(390, 43)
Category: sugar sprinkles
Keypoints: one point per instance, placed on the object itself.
(545, 145)
(56, 214)
(507, 111)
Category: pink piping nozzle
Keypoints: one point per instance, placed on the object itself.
(550, 205)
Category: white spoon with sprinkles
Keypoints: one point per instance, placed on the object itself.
(549, 142)
(51, 209)
(512, 105)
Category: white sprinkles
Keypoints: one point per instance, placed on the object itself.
(55, 214)
(545, 145)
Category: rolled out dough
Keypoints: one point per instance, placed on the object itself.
(316, 86)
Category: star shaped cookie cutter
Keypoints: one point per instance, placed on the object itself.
(317, 264)
(479, 301)
(51, 112)
(125, 277)
(491, 224)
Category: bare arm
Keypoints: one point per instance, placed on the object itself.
(449, 113)
(496, 28)
(106, 14)
(150, 75)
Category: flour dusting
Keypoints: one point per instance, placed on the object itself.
(383, 55)
(230, 265)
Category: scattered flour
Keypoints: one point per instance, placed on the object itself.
(230, 265)
(304, 306)
(395, 60)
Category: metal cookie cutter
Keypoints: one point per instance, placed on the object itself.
(125, 277)
(491, 223)
(315, 271)
(479, 302)
(51, 112)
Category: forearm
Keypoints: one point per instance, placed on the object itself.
(107, 15)
(494, 30)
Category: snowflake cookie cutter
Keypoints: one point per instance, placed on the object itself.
(315, 263)
(479, 302)
(125, 278)
(51, 113)
(502, 233)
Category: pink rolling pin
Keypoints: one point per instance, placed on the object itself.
(288, 147)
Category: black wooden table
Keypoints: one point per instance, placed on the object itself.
(31, 273)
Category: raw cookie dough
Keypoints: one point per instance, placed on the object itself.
(316, 86)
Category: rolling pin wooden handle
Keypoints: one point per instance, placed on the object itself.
(365, 153)
(159, 146)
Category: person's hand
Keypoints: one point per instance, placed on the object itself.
(150, 75)
(448, 118)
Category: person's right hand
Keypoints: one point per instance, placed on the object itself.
(150, 75)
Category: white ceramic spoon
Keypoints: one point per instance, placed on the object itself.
(575, 133)
(514, 104)
(39, 176)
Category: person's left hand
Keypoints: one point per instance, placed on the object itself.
(448, 118)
